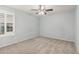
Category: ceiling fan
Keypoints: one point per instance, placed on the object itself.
(42, 10)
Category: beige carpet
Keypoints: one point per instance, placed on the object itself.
(40, 45)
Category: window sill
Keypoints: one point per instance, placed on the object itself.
(7, 34)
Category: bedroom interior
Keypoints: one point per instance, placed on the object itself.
(39, 29)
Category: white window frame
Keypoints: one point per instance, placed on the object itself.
(5, 22)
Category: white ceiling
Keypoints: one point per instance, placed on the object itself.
(56, 8)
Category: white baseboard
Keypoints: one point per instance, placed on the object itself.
(14, 42)
(60, 38)
(31, 37)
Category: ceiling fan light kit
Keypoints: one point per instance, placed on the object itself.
(42, 10)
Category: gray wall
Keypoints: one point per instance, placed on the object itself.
(77, 28)
(59, 25)
(26, 27)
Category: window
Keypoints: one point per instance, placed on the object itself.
(1, 23)
(1, 28)
(7, 22)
